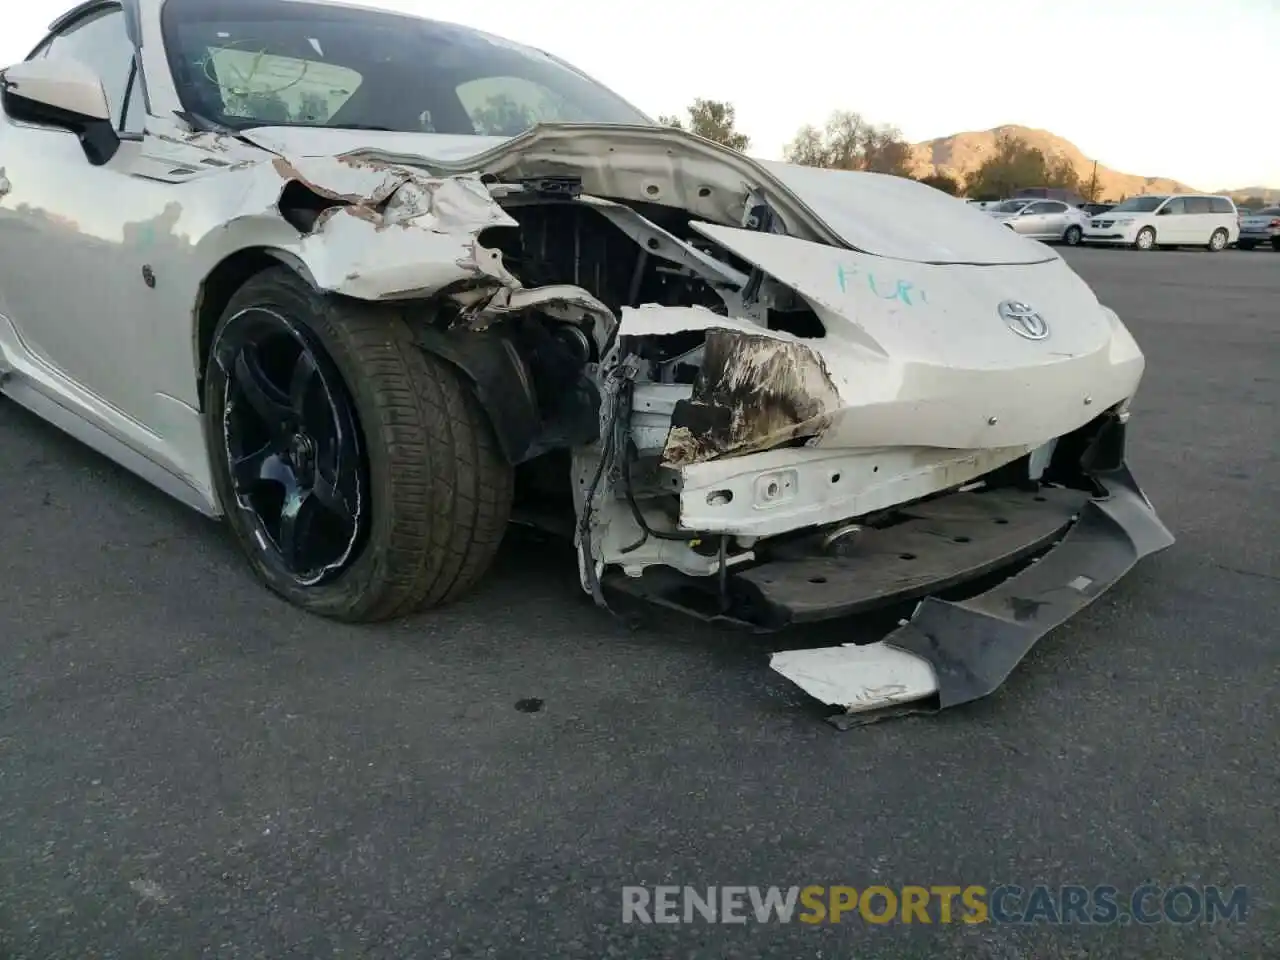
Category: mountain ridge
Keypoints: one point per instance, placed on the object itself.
(961, 153)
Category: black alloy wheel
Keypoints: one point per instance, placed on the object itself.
(293, 447)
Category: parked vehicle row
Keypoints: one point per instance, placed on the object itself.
(1145, 222)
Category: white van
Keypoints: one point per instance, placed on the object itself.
(1150, 221)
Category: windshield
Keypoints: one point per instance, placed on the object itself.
(1138, 205)
(1011, 206)
(248, 63)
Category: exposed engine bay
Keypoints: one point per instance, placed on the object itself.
(595, 388)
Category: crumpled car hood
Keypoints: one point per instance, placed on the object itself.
(873, 213)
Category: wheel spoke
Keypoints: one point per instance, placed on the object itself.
(264, 396)
(327, 496)
(295, 525)
(304, 373)
(251, 468)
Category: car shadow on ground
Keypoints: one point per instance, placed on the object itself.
(534, 576)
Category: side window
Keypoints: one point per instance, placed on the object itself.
(1055, 208)
(1175, 206)
(1221, 205)
(1041, 207)
(1199, 205)
(101, 43)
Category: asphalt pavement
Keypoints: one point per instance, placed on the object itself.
(191, 768)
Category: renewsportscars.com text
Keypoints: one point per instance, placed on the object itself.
(942, 904)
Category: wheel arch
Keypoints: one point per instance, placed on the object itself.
(490, 365)
(218, 287)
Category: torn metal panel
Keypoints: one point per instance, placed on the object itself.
(365, 183)
(753, 392)
(350, 253)
(561, 301)
(858, 678)
(395, 233)
(652, 320)
(398, 195)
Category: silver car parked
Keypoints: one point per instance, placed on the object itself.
(1050, 220)
(1260, 227)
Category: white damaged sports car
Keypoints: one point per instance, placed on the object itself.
(371, 286)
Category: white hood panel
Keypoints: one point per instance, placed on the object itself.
(894, 217)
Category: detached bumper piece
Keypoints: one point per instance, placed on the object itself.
(950, 653)
(1075, 536)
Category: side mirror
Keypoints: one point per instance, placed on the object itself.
(66, 94)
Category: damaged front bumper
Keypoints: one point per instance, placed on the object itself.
(954, 652)
(1073, 545)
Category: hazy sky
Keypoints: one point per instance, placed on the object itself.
(1153, 87)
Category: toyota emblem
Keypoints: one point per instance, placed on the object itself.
(1023, 320)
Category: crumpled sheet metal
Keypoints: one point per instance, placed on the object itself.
(396, 233)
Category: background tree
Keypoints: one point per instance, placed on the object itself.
(849, 142)
(1016, 165)
(1061, 173)
(943, 182)
(1091, 188)
(712, 119)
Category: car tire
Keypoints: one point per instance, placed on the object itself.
(1218, 240)
(1073, 236)
(1146, 239)
(1245, 245)
(409, 495)
(1275, 244)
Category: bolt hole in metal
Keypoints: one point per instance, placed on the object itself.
(718, 498)
(835, 478)
(817, 579)
(1000, 520)
(704, 192)
(652, 189)
(960, 539)
(292, 444)
(906, 556)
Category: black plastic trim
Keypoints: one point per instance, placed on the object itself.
(973, 645)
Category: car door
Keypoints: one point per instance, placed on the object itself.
(1030, 222)
(1055, 220)
(75, 298)
(1171, 222)
(1200, 220)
